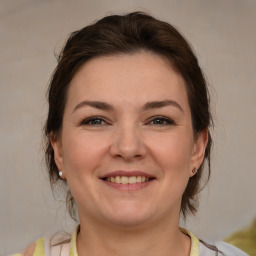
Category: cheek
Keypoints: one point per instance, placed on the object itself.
(172, 155)
(172, 152)
(82, 153)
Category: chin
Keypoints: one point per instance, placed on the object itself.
(129, 216)
(129, 221)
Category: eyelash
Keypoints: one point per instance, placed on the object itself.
(91, 119)
(167, 121)
(164, 121)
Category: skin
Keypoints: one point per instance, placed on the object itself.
(128, 137)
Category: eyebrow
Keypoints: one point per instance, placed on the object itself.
(149, 105)
(161, 104)
(95, 104)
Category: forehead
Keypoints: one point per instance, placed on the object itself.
(133, 78)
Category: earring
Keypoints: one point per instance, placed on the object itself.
(194, 170)
(60, 174)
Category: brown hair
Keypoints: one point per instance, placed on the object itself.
(129, 34)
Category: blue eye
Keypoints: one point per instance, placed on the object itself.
(160, 120)
(97, 121)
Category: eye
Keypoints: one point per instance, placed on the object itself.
(161, 120)
(94, 121)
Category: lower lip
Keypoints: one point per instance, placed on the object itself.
(129, 187)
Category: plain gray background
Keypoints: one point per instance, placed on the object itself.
(223, 36)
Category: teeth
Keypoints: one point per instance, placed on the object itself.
(132, 180)
(127, 180)
(117, 179)
(124, 180)
(138, 180)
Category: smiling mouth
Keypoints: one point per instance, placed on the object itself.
(128, 180)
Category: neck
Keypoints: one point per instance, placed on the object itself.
(163, 239)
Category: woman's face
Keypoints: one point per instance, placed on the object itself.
(127, 147)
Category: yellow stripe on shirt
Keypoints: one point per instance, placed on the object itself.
(39, 250)
(73, 249)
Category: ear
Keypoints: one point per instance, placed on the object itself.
(198, 152)
(58, 152)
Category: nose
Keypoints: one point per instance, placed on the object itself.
(128, 143)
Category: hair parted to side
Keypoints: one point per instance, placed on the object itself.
(129, 34)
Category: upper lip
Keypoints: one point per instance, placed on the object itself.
(126, 173)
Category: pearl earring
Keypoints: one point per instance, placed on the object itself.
(60, 174)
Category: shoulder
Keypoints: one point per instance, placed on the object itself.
(225, 249)
(29, 251)
(229, 249)
(47, 247)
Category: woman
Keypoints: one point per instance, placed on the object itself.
(128, 131)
